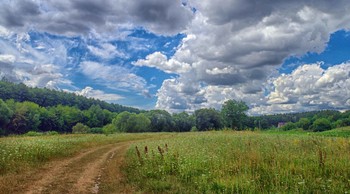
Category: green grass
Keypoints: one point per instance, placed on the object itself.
(240, 162)
(19, 153)
(339, 132)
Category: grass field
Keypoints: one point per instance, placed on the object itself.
(20, 153)
(198, 162)
(242, 162)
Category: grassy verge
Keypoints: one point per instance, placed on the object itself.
(240, 162)
(22, 153)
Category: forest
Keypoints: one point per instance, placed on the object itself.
(24, 109)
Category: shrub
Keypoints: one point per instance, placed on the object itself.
(289, 126)
(321, 124)
(109, 129)
(96, 130)
(33, 133)
(51, 133)
(80, 128)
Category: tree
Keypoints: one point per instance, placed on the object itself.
(233, 114)
(304, 123)
(131, 122)
(321, 124)
(183, 122)
(121, 121)
(26, 118)
(108, 129)
(289, 126)
(5, 114)
(207, 118)
(80, 128)
(95, 116)
(161, 120)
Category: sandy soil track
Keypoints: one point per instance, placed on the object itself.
(79, 174)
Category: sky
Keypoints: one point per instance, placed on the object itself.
(182, 55)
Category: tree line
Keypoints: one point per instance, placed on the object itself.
(47, 98)
(22, 117)
(68, 113)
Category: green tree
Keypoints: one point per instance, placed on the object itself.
(5, 114)
(26, 118)
(95, 116)
(233, 114)
(161, 120)
(183, 122)
(304, 123)
(121, 121)
(80, 128)
(321, 124)
(108, 129)
(131, 122)
(207, 118)
(289, 126)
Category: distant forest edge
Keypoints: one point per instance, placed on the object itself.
(34, 111)
(47, 98)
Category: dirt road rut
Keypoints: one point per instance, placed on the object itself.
(81, 173)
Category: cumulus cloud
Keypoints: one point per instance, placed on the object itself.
(159, 61)
(98, 94)
(85, 16)
(20, 62)
(106, 51)
(115, 77)
(308, 88)
(235, 46)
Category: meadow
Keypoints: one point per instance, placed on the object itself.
(20, 153)
(242, 162)
(202, 162)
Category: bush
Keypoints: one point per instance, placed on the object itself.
(321, 124)
(109, 129)
(80, 128)
(289, 126)
(96, 130)
(33, 133)
(194, 129)
(51, 133)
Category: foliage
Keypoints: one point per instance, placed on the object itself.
(183, 122)
(5, 114)
(49, 98)
(240, 162)
(304, 123)
(108, 129)
(33, 133)
(161, 120)
(289, 126)
(321, 124)
(80, 128)
(207, 118)
(131, 122)
(233, 114)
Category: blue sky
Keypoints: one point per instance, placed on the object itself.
(182, 55)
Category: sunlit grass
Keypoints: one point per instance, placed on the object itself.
(19, 153)
(241, 162)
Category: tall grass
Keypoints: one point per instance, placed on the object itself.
(240, 162)
(20, 153)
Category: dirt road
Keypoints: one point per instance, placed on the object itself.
(83, 173)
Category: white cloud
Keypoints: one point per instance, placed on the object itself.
(308, 88)
(159, 61)
(20, 62)
(98, 94)
(106, 51)
(237, 45)
(115, 77)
